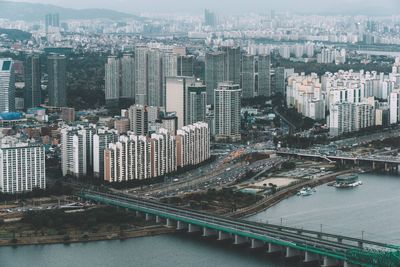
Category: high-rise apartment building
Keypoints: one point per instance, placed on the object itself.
(127, 77)
(227, 112)
(77, 150)
(264, 76)
(185, 65)
(155, 92)
(101, 140)
(350, 117)
(256, 76)
(196, 103)
(214, 73)
(135, 157)
(52, 21)
(33, 89)
(209, 18)
(249, 76)
(7, 85)
(232, 61)
(22, 166)
(192, 144)
(139, 121)
(141, 53)
(119, 79)
(56, 68)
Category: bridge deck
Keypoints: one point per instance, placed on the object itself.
(324, 244)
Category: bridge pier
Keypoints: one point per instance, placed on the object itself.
(360, 244)
(138, 214)
(170, 223)
(310, 257)
(292, 252)
(149, 217)
(272, 248)
(159, 219)
(193, 228)
(181, 225)
(240, 240)
(329, 262)
(339, 240)
(209, 232)
(223, 236)
(256, 243)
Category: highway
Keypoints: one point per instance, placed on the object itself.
(325, 244)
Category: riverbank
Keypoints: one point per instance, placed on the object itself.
(87, 237)
(280, 195)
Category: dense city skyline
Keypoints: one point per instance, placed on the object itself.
(368, 7)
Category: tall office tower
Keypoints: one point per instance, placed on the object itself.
(33, 90)
(196, 102)
(141, 75)
(22, 166)
(112, 81)
(138, 117)
(127, 77)
(227, 112)
(52, 20)
(155, 94)
(232, 63)
(185, 65)
(264, 76)
(280, 81)
(209, 18)
(176, 93)
(249, 76)
(7, 85)
(215, 73)
(56, 68)
(101, 140)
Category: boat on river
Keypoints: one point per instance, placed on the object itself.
(347, 181)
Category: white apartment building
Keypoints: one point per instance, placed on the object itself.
(138, 157)
(22, 166)
(101, 140)
(350, 117)
(77, 149)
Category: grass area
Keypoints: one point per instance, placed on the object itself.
(215, 201)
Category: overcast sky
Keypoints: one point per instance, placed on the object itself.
(195, 6)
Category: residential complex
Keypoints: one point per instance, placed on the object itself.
(22, 166)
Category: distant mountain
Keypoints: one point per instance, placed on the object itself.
(35, 12)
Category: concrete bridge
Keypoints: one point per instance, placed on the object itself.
(389, 163)
(309, 246)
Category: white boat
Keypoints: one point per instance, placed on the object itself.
(305, 191)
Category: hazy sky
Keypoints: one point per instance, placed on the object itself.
(236, 6)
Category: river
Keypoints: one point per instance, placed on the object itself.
(371, 208)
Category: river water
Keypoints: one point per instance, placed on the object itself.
(372, 208)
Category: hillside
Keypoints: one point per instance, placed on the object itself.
(36, 12)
